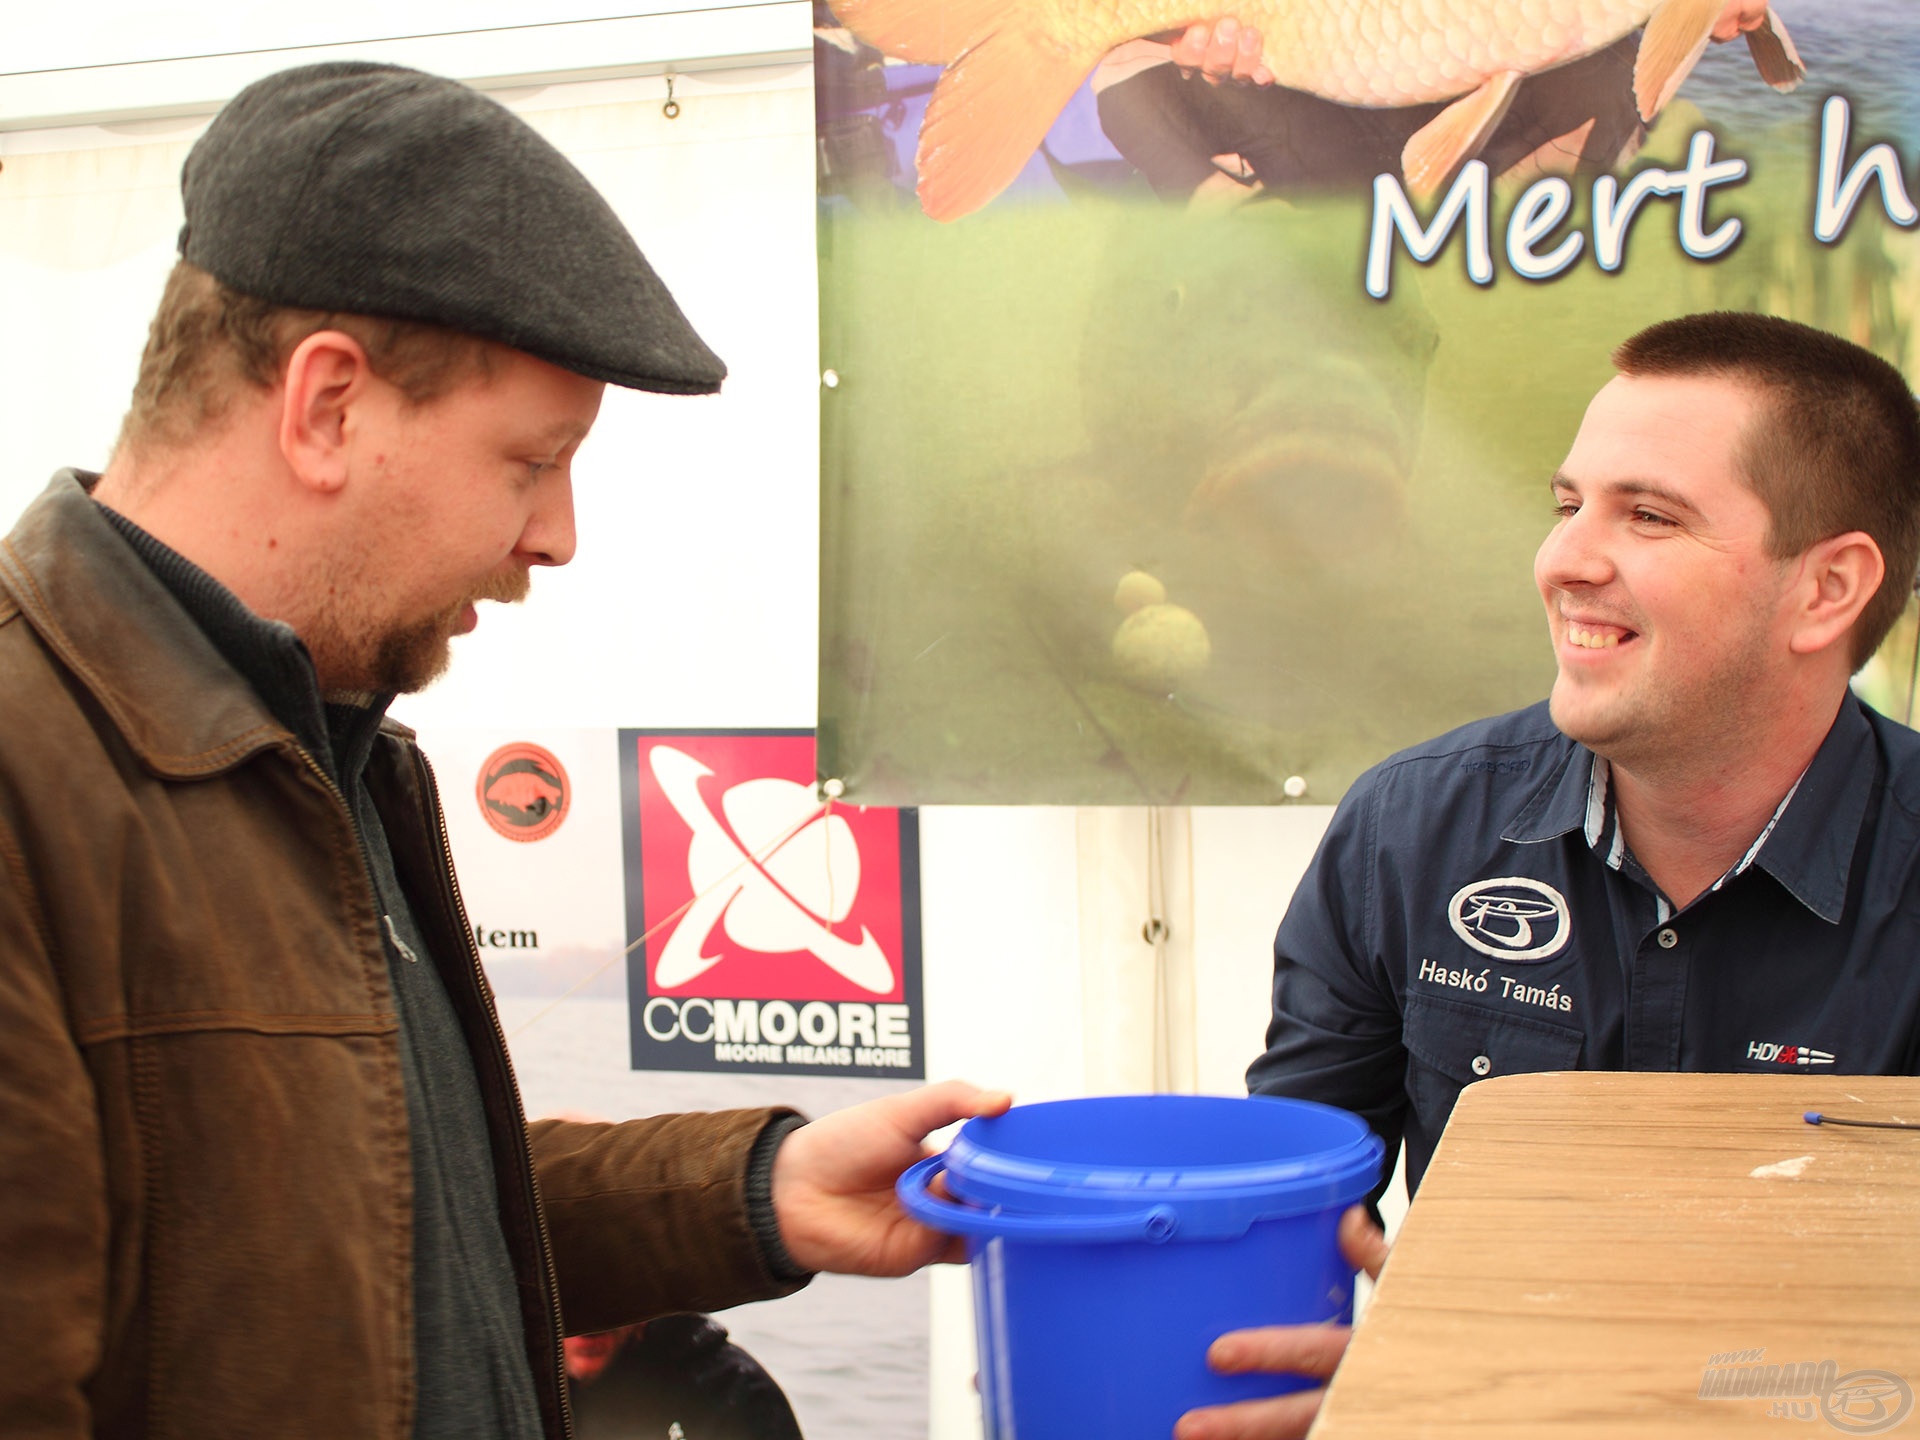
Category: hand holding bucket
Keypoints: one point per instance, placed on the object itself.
(1113, 1240)
(834, 1191)
(1309, 1350)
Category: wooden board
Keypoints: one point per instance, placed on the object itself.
(1584, 1245)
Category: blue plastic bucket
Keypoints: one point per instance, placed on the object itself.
(1113, 1240)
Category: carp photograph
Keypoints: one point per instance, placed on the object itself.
(1192, 380)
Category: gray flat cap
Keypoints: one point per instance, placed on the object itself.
(384, 191)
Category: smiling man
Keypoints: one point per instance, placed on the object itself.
(263, 1168)
(1700, 853)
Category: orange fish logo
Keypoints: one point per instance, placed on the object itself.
(524, 791)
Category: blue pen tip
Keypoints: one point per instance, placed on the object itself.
(1814, 1117)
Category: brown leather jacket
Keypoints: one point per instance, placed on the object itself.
(205, 1182)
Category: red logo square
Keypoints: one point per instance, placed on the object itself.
(752, 886)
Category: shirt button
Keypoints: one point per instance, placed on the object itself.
(1482, 1065)
(1667, 938)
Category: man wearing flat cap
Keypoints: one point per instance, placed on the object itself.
(254, 1100)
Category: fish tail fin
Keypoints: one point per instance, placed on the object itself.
(1674, 40)
(1440, 147)
(923, 33)
(988, 115)
(1774, 55)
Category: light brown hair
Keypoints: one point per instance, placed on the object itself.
(208, 341)
(1837, 447)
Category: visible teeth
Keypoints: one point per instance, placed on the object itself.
(1591, 639)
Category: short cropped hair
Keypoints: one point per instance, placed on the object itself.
(208, 342)
(1837, 447)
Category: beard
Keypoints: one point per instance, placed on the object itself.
(359, 653)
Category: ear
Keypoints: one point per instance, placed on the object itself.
(1838, 577)
(327, 381)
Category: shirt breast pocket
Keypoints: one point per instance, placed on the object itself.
(1450, 1044)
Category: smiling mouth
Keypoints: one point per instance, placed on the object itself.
(1597, 637)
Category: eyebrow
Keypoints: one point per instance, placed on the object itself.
(566, 432)
(1639, 489)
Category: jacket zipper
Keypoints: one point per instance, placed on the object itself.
(537, 1208)
(366, 867)
(387, 926)
(359, 840)
(459, 911)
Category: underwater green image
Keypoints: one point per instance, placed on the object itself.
(1127, 502)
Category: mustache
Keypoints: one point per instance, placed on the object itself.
(508, 589)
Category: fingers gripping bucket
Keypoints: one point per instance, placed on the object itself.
(1113, 1240)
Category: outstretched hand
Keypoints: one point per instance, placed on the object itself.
(1224, 50)
(1738, 18)
(833, 1181)
(1312, 1350)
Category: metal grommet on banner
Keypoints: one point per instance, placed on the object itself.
(672, 108)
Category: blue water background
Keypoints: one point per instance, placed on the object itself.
(1867, 50)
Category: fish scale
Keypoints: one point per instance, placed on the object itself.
(1012, 65)
(1359, 52)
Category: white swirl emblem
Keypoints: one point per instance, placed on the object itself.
(772, 898)
(1511, 918)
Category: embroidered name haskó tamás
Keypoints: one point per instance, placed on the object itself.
(1511, 918)
(1480, 982)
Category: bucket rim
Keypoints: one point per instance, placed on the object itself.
(1234, 1192)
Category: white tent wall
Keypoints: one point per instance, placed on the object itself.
(693, 602)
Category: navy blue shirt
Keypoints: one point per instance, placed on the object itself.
(1473, 910)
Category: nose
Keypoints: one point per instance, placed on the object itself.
(549, 538)
(1573, 555)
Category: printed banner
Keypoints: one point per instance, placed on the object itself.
(1188, 442)
(533, 819)
(537, 825)
(771, 930)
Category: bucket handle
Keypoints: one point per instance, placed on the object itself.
(1155, 1225)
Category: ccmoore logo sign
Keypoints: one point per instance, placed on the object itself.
(776, 933)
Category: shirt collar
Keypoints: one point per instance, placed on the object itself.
(1560, 804)
(1807, 846)
(1810, 849)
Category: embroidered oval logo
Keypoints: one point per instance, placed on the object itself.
(524, 792)
(1511, 918)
